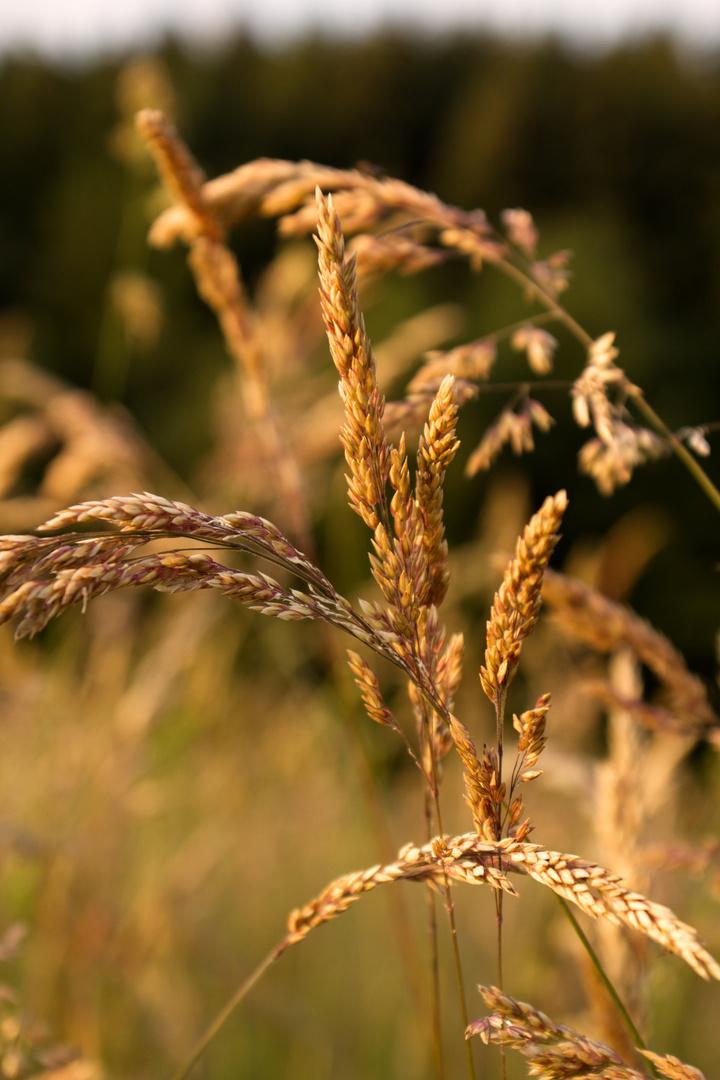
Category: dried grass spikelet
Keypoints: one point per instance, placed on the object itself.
(429, 863)
(514, 428)
(436, 451)
(474, 360)
(369, 687)
(619, 447)
(377, 255)
(552, 274)
(397, 564)
(605, 625)
(538, 344)
(599, 893)
(411, 565)
(40, 577)
(611, 463)
(467, 363)
(285, 189)
(218, 280)
(179, 170)
(558, 1052)
(484, 793)
(367, 451)
(517, 602)
(81, 447)
(554, 1051)
(443, 665)
(596, 891)
(671, 1067)
(39, 601)
(521, 230)
(412, 411)
(695, 438)
(531, 727)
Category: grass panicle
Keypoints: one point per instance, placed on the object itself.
(517, 601)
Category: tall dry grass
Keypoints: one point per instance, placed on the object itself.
(165, 810)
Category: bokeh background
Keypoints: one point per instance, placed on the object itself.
(176, 774)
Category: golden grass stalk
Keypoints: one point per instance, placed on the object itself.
(367, 451)
(553, 1051)
(436, 451)
(517, 602)
(556, 1051)
(218, 280)
(468, 858)
(600, 893)
(531, 727)
(41, 577)
(429, 863)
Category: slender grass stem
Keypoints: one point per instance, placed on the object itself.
(499, 724)
(450, 908)
(225, 1013)
(595, 961)
(379, 825)
(691, 464)
(434, 960)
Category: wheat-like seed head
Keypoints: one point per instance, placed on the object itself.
(531, 727)
(178, 167)
(558, 1052)
(518, 600)
(40, 577)
(436, 451)
(363, 437)
(219, 282)
(554, 1051)
(429, 863)
(369, 687)
(600, 893)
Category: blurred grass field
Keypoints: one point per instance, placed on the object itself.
(177, 774)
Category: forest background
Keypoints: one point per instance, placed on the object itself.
(148, 804)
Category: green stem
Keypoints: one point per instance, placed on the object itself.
(229, 1007)
(622, 1011)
